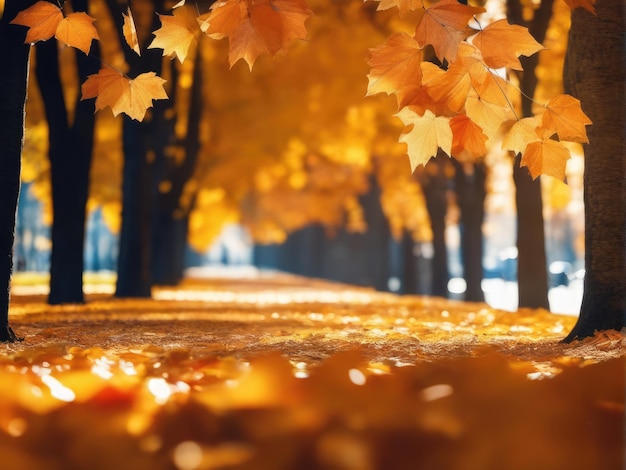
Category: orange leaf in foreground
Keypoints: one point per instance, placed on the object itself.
(547, 157)
(77, 30)
(122, 94)
(564, 116)
(467, 136)
(395, 66)
(175, 36)
(130, 32)
(42, 19)
(444, 25)
(255, 27)
(429, 133)
(586, 4)
(502, 43)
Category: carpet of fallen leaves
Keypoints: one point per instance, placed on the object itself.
(280, 372)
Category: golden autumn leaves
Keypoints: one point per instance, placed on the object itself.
(459, 108)
(253, 27)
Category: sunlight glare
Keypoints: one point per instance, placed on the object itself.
(58, 390)
(436, 392)
(357, 377)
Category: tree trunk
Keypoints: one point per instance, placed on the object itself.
(532, 274)
(595, 74)
(70, 149)
(434, 185)
(13, 86)
(171, 221)
(470, 190)
(138, 187)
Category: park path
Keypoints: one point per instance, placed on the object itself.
(268, 370)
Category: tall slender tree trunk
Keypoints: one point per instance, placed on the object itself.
(470, 190)
(138, 187)
(595, 73)
(532, 274)
(70, 151)
(172, 220)
(13, 86)
(434, 183)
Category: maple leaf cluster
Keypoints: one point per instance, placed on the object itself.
(455, 101)
(460, 99)
(253, 27)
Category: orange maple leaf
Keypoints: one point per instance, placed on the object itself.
(502, 43)
(419, 98)
(564, 116)
(175, 35)
(77, 30)
(586, 4)
(467, 136)
(130, 32)
(444, 26)
(395, 66)
(122, 94)
(42, 20)
(428, 134)
(255, 27)
(547, 157)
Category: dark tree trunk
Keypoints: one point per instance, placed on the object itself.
(595, 74)
(532, 274)
(13, 86)
(434, 183)
(138, 187)
(70, 150)
(171, 221)
(410, 265)
(470, 190)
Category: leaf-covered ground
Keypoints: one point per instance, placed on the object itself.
(276, 371)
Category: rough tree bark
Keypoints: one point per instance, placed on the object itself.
(595, 74)
(13, 86)
(532, 274)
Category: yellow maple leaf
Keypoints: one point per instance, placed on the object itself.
(130, 32)
(42, 20)
(255, 27)
(547, 157)
(586, 4)
(467, 136)
(395, 66)
(522, 133)
(122, 94)
(175, 35)
(502, 43)
(77, 30)
(444, 26)
(488, 116)
(564, 116)
(428, 134)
